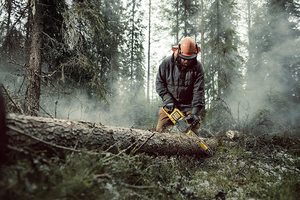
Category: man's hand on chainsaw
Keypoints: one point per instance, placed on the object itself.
(170, 106)
(191, 119)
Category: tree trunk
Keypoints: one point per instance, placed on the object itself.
(149, 47)
(34, 68)
(8, 42)
(132, 42)
(202, 34)
(29, 130)
(177, 22)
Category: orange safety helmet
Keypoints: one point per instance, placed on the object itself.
(186, 49)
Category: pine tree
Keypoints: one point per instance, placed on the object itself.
(133, 70)
(94, 36)
(182, 15)
(13, 14)
(221, 44)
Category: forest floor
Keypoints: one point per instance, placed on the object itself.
(249, 167)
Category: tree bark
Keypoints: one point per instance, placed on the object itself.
(34, 68)
(29, 130)
(8, 43)
(132, 42)
(149, 48)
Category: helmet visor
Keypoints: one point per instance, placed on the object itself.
(188, 57)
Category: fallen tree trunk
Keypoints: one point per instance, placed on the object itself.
(76, 135)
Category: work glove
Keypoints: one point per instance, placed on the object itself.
(170, 106)
(196, 111)
(192, 118)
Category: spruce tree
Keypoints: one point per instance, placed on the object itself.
(221, 44)
(182, 15)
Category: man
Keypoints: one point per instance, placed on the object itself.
(180, 83)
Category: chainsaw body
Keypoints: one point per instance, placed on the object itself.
(179, 120)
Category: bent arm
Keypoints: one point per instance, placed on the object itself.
(161, 85)
(198, 102)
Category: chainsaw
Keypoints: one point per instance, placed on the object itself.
(185, 126)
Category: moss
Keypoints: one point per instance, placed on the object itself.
(233, 172)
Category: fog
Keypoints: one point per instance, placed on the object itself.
(123, 109)
(267, 86)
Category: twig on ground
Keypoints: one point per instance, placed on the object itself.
(111, 146)
(143, 187)
(134, 150)
(121, 152)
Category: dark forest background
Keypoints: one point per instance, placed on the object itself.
(96, 60)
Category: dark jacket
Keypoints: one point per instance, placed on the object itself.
(181, 87)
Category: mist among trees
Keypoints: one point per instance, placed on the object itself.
(96, 61)
(87, 69)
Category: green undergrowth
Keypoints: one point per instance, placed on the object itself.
(245, 169)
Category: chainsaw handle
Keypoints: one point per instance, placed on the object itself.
(169, 107)
(193, 120)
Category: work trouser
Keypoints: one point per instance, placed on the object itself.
(164, 121)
